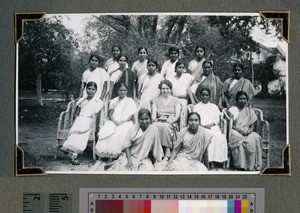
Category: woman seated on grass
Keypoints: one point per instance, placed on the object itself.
(191, 147)
(79, 133)
(244, 143)
(141, 140)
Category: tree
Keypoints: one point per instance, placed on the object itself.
(48, 46)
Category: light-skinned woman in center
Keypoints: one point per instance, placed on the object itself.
(165, 114)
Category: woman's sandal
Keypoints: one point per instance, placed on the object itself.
(75, 162)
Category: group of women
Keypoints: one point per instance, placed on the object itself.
(144, 136)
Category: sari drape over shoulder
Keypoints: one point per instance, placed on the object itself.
(180, 87)
(214, 84)
(210, 113)
(111, 137)
(80, 130)
(191, 150)
(126, 77)
(112, 65)
(196, 69)
(140, 68)
(99, 76)
(241, 85)
(246, 150)
(149, 89)
(140, 144)
(168, 69)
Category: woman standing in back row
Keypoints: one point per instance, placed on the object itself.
(112, 64)
(195, 66)
(140, 66)
(97, 75)
(237, 83)
(123, 75)
(168, 67)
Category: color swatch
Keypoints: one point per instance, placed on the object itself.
(172, 206)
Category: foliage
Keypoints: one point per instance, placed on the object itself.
(224, 37)
(47, 50)
(50, 49)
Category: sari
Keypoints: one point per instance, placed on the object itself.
(214, 84)
(140, 144)
(246, 150)
(80, 130)
(111, 137)
(126, 77)
(196, 69)
(191, 151)
(217, 149)
(112, 65)
(180, 89)
(149, 89)
(180, 85)
(168, 69)
(140, 68)
(99, 76)
(165, 129)
(242, 84)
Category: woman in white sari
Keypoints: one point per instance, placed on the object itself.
(148, 89)
(79, 133)
(97, 75)
(195, 66)
(210, 118)
(181, 82)
(112, 64)
(141, 140)
(112, 133)
(140, 66)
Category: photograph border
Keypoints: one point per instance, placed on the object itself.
(21, 170)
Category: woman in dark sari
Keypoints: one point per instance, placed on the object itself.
(210, 81)
(125, 76)
(236, 83)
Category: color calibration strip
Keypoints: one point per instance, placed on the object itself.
(174, 200)
(139, 202)
(170, 206)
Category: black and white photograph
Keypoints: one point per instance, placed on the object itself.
(152, 93)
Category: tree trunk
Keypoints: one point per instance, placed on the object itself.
(181, 23)
(39, 89)
(170, 26)
(154, 25)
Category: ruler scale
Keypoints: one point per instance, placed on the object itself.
(56, 203)
(171, 200)
(33, 202)
(60, 203)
